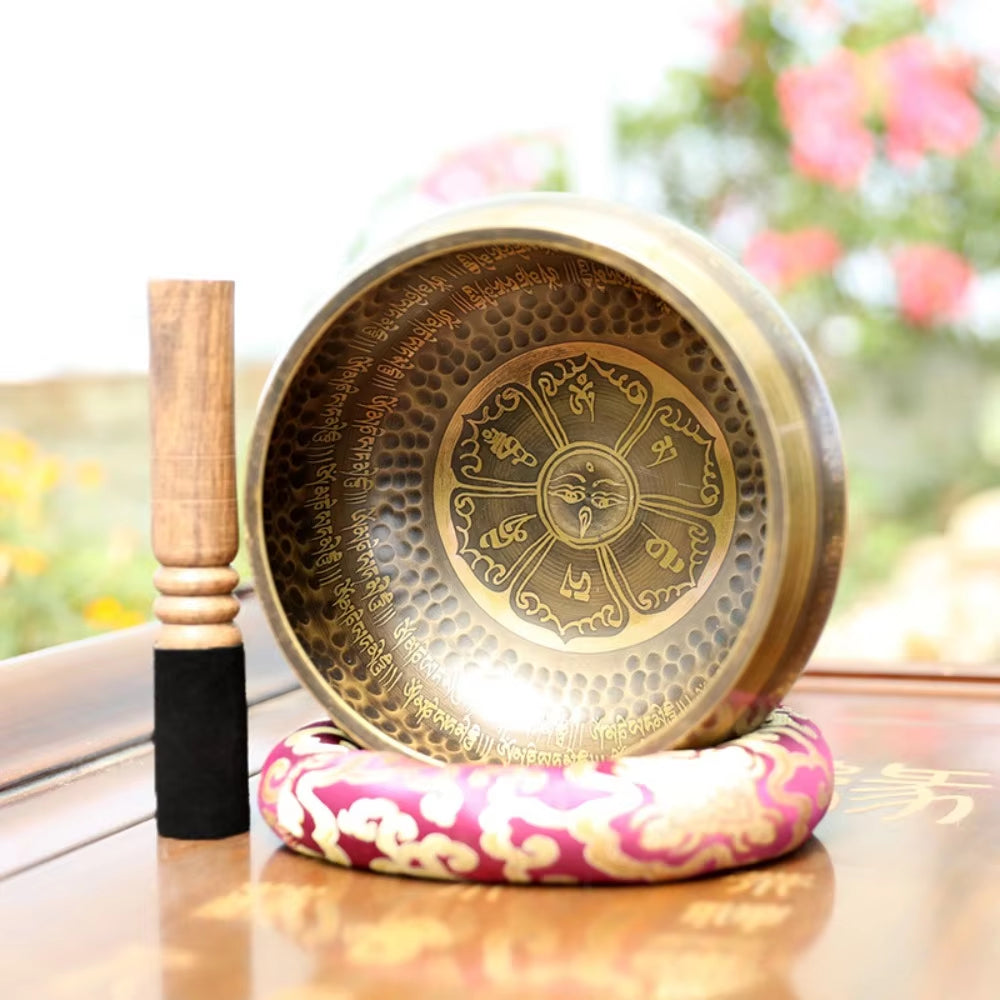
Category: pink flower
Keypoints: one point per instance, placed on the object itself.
(823, 107)
(724, 25)
(730, 62)
(781, 260)
(491, 168)
(931, 282)
(927, 103)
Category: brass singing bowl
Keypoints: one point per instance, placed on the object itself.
(550, 480)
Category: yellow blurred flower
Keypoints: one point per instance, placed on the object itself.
(15, 448)
(24, 560)
(89, 474)
(29, 561)
(26, 476)
(108, 613)
(12, 483)
(48, 472)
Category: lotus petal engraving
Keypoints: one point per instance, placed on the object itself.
(584, 496)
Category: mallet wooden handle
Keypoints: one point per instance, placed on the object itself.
(195, 522)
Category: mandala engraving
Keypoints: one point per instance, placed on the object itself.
(586, 493)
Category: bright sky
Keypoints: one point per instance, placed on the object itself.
(254, 141)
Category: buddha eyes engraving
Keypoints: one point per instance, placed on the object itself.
(587, 494)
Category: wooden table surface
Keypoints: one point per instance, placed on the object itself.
(897, 895)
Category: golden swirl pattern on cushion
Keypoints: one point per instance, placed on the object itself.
(654, 818)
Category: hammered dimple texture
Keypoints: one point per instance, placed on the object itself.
(348, 502)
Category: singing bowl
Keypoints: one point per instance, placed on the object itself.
(550, 480)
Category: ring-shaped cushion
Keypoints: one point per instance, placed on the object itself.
(654, 818)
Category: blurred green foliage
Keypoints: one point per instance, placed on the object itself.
(75, 557)
(847, 153)
(59, 579)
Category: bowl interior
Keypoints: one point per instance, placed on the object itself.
(513, 508)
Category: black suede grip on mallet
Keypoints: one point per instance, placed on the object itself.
(201, 742)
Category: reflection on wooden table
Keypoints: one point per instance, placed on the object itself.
(703, 939)
(896, 896)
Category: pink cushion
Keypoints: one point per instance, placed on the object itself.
(654, 818)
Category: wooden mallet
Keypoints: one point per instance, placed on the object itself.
(200, 712)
